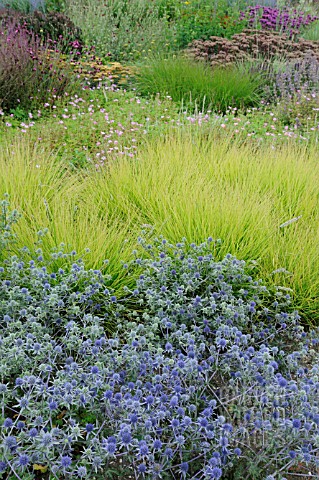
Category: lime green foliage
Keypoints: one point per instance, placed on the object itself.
(197, 189)
(121, 29)
(49, 198)
(186, 185)
(194, 84)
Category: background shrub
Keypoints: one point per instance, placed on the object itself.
(281, 20)
(53, 28)
(24, 6)
(57, 28)
(200, 20)
(294, 88)
(251, 43)
(312, 32)
(18, 56)
(285, 79)
(121, 29)
(195, 85)
(29, 73)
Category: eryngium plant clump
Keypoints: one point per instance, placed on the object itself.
(206, 376)
(251, 43)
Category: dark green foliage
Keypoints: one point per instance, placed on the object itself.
(201, 20)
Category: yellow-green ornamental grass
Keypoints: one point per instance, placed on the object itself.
(182, 187)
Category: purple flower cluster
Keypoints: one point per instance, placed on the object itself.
(282, 20)
(206, 374)
(297, 76)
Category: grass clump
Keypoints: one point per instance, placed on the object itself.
(195, 85)
(190, 185)
(51, 199)
(197, 187)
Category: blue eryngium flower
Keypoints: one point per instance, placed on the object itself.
(126, 438)
(89, 427)
(24, 460)
(33, 432)
(224, 441)
(20, 425)
(81, 472)
(149, 400)
(282, 382)
(53, 405)
(296, 423)
(184, 467)
(213, 473)
(47, 439)
(23, 402)
(168, 452)
(157, 444)
(65, 461)
(141, 468)
(143, 449)
(7, 423)
(10, 441)
(111, 448)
